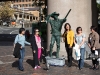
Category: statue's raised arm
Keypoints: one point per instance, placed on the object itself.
(64, 20)
(68, 13)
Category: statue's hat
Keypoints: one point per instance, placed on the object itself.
(55, 14)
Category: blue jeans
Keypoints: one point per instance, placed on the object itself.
(81, 61)
(22, 53)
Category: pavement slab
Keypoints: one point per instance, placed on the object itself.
(8, 64)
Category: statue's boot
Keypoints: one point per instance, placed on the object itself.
(51, 47)
(57, 54)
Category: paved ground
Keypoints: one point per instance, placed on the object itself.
(8, 64)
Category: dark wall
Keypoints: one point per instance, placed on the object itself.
(94, 13)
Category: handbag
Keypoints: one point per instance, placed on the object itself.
(77, 51)
(94, 55)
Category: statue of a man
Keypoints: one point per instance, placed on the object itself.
(56, 25)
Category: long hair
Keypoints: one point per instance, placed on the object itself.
(68, 25)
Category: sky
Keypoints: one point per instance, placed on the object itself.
(98, 1)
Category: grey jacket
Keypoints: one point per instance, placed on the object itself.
(93, 40)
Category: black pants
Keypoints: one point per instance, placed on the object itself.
(35, 59)
(69, 54)
(94, 61)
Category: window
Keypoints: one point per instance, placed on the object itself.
(33, 18)
(24, 16)
(28, 17)
(20, 15)
(19, 5)
(19, 0)
(16, 0)
(36, 18)
(22, 0)
(30, 5)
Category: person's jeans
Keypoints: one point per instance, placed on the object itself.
(69, 54)
(81, 61)
(22, 53)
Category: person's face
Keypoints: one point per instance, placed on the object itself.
(79, 30)
(67, 27)
(23, 32)
(36, 32)
(91, 30)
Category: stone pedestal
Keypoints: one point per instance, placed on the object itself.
(81, 15)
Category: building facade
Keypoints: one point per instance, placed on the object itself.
(25, 9)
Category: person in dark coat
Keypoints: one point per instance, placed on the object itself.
(37, 47)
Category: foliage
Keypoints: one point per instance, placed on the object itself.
(6, 12)
(98, 6)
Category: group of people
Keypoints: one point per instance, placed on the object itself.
(36, 44)
(79, 38)
(70, 39)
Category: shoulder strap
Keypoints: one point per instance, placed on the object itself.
(18, 37)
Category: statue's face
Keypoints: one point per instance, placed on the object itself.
(55, 17)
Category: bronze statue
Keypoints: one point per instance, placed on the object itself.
(56, 25)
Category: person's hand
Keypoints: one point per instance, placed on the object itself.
(30, 44)
(79, 47)
(34, 51)
(42, 48)
(93, 48)
(13, 49)
(70, 46)
(89, 46)
(21, 47)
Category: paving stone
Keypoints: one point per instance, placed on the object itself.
(8, 64)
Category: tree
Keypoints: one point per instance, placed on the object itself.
(6, 12)
(98, 6)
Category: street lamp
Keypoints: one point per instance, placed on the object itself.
(23, 18)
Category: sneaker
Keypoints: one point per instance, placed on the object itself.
(39, 67)
(35, 67)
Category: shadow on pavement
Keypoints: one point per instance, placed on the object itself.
(30, 62)
(15, 64)
(75, 63)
